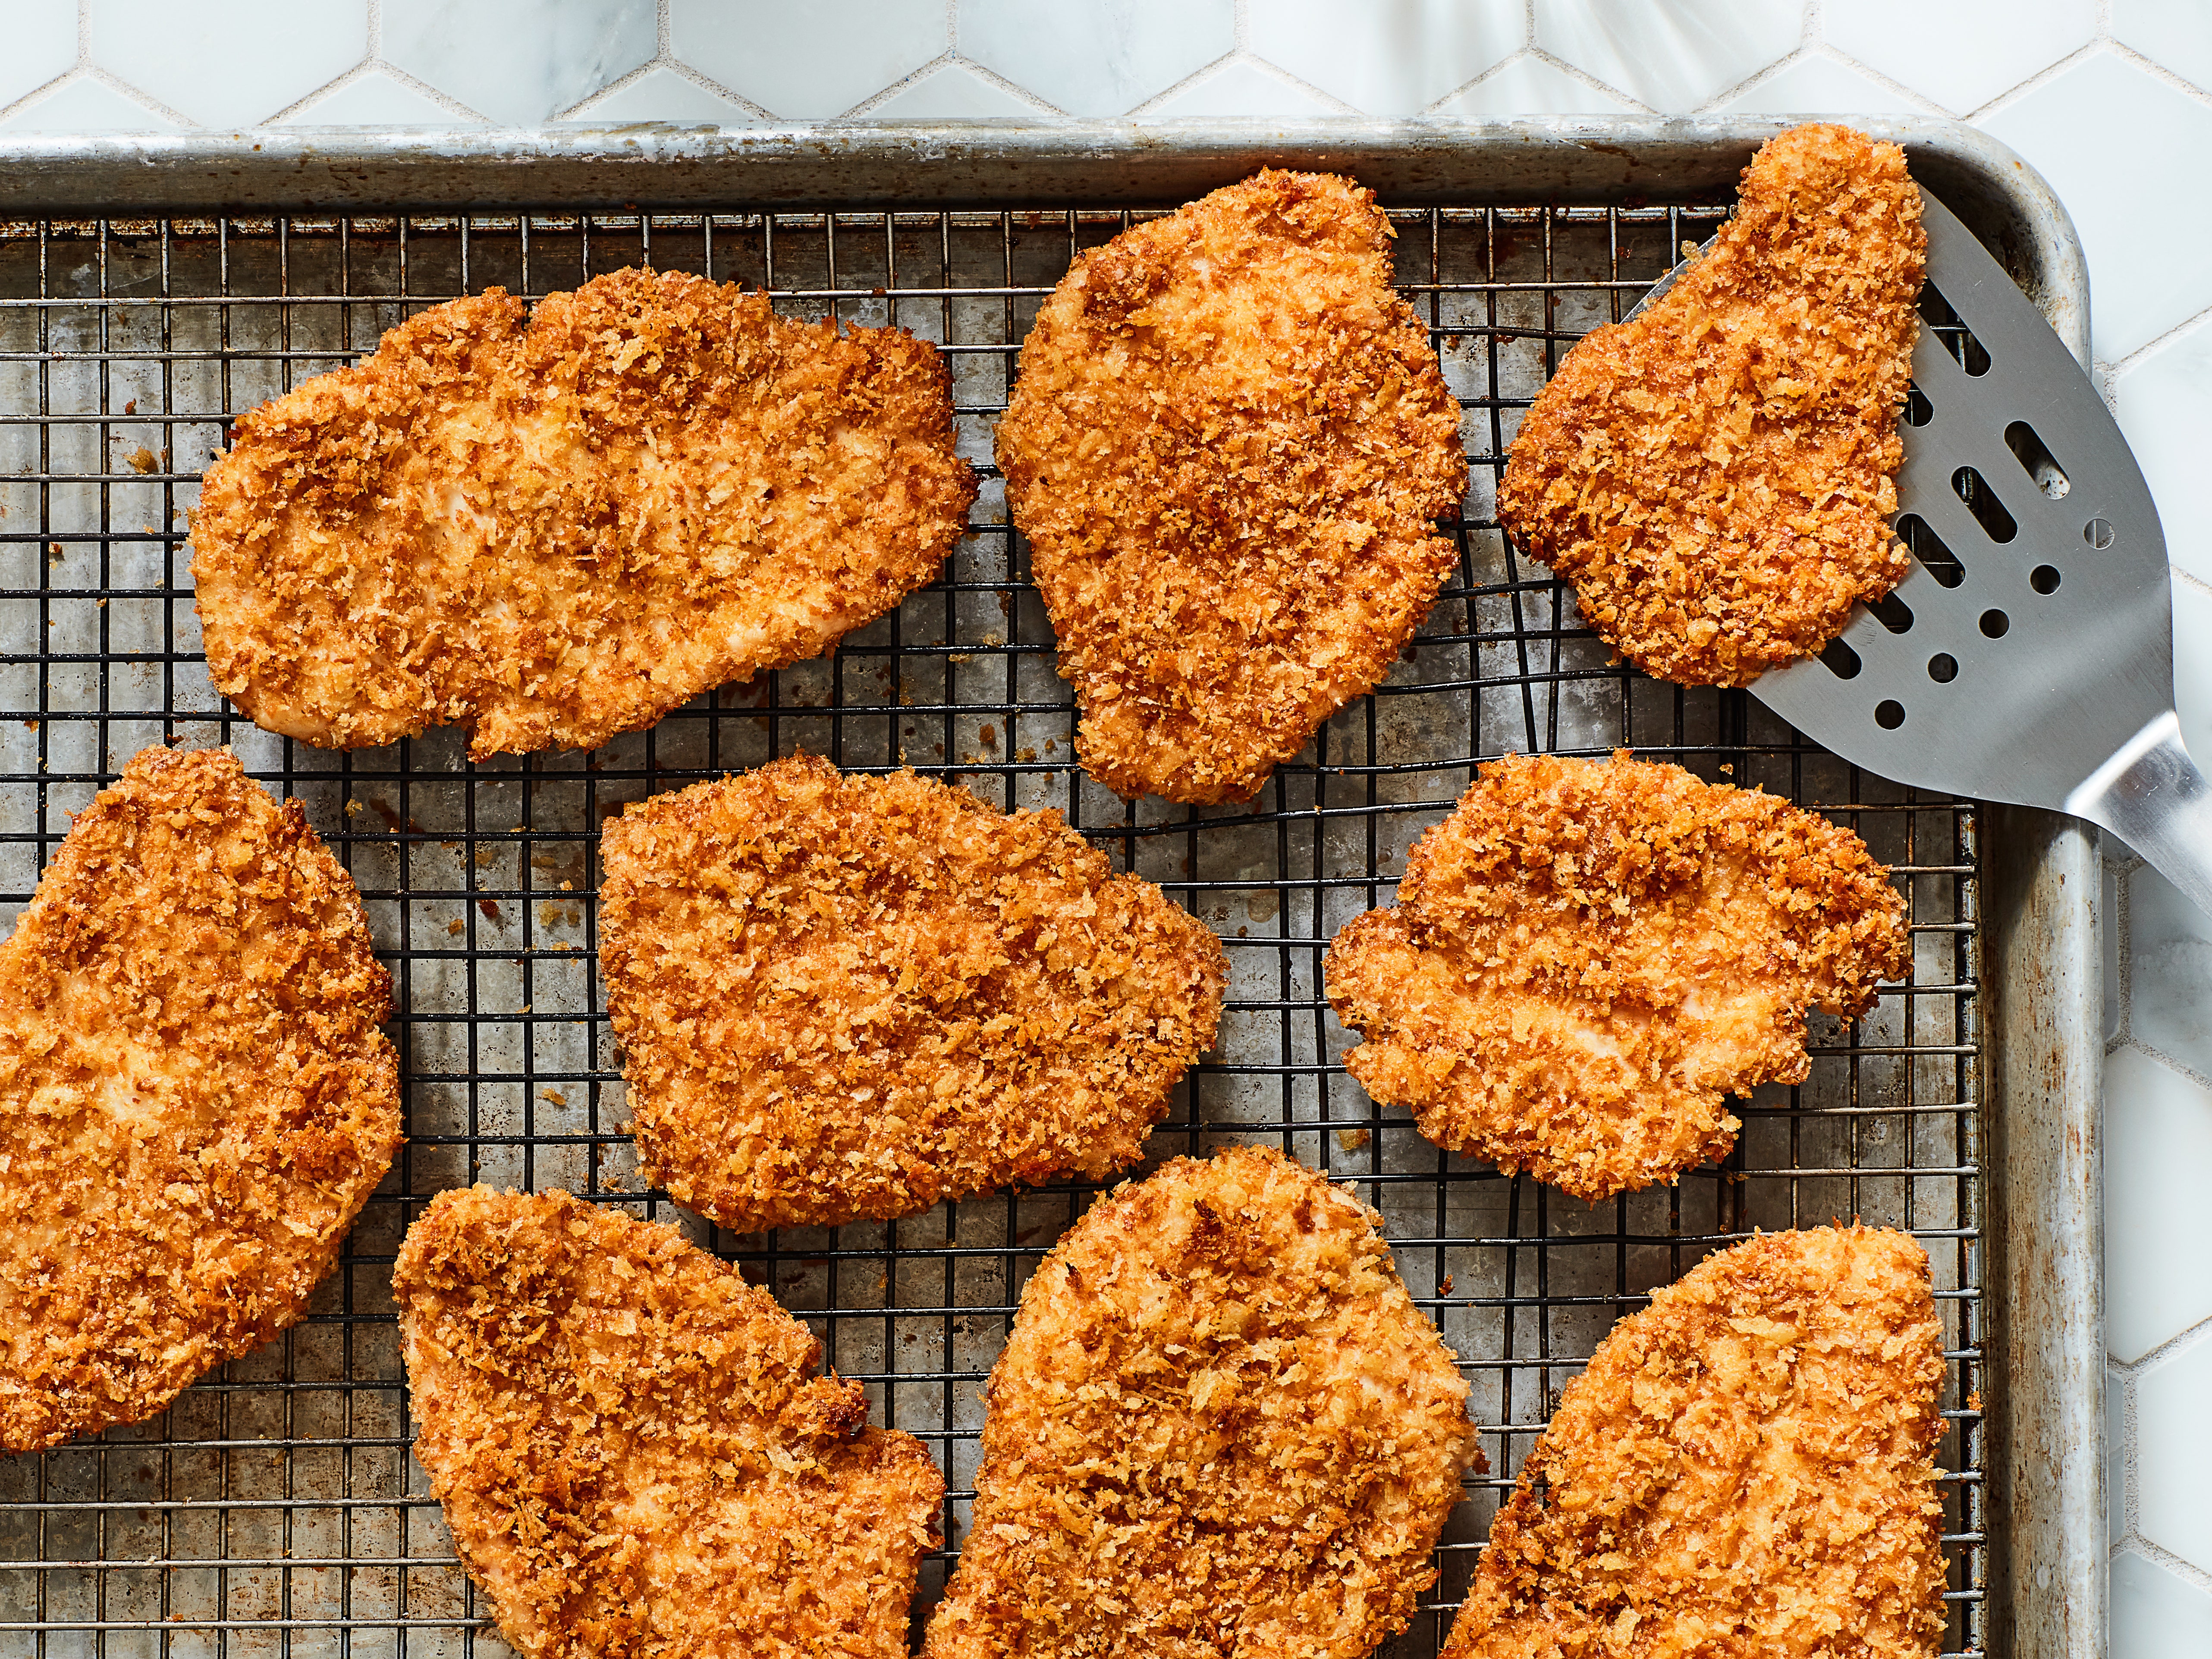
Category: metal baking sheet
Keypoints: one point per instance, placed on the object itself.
(150, 291)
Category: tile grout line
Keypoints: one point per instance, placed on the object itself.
(2177, 1067)
(2172, 1349)
(2156, 1554)
(2125, 1498)
(2188, 325)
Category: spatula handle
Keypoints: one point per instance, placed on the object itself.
(2151, 795)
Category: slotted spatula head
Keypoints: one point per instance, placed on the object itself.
(2028, 656)
(2034, 637)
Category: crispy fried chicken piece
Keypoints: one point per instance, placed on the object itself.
(634, 1456)
(1227, 446)
(1716, 477)
(1585, 958)
(561, 531)
(195, 1101)
(1743, 1472)
(841, 996)
(1219, 1426)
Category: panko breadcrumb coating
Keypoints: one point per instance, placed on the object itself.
(633, 1453)
(1227, 446)
(844, 997)
(1716, 475)
(1744, 1472)
(1219, 1427)
(1585, 958)
(195, 1101)
(562, 530)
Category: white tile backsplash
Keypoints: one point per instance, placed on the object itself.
(2192, 664)
(2174, 1411)
(1959, 54)
(1817, 85)
(2170, 978)
(2164, 400)
(2156, 1614)
(1096, 56)
(2116, 1459)
(2158, 1166)
(662, 94)
(518, 62)
(1240, 90)
(1529, 85)
(772, 52)
(375, 98)
(41, 46)
(1388, 57)
(953, 92)
(2088, 130)
(2175, 34)
(235, 66)
(1670, 54)
(2121, 139)
(84, 103)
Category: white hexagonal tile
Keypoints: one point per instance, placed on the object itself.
(2155, 1615)
(521, 63)
(662, 93)
(2175, 34)
(1529, 85)
(85, 105)
(1241, 88)
(1815, 85)
(1958, 53)
(2173, 1421)
(2158, 1167)
(376, 99)
(807, 61)
(2192, 661)
(2116, 1456)
(1673, 56)
(954, 93)
(1388, 57)
(2164, 400)
(1096, 56)
(2169, 973)
(41, 45)
(234, 68)
(2090, 130)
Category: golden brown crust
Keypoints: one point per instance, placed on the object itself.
(561, 530)
(1585, 958)
(843, 997)
(1227, 446)
(195, 1101)
(1743, 1472)
(1219, 1426)
(1716, 477)
(634, 1456)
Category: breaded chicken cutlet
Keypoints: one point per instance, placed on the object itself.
(1585, 958)
(1743, 1472)
(632, 1449)
(195, 1101)
(1220, 1426)
(561, 529)
(844, 997)
(1716, 475)
(1227, 447)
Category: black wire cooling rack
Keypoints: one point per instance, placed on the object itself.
(275, 1509)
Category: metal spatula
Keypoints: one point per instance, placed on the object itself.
(2028, 657)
